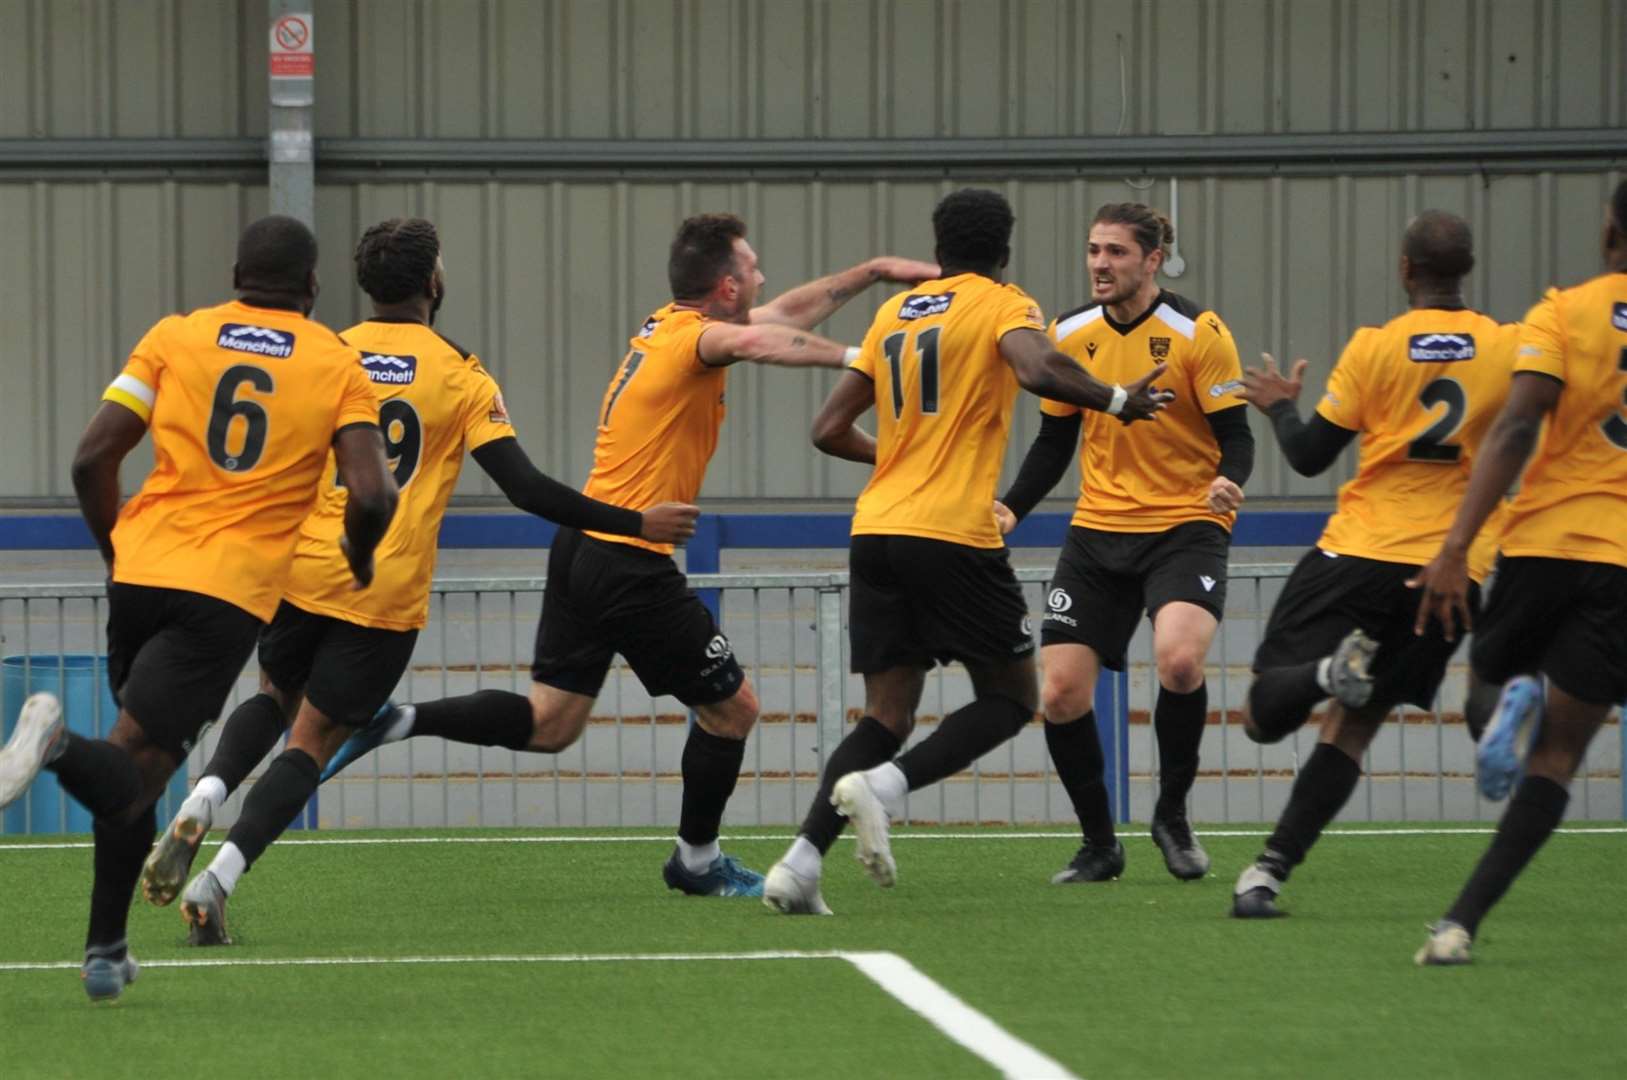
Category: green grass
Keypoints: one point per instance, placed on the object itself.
(1144, 977)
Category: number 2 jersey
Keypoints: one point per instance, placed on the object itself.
(436, 404)
(243, 404)
(1423, 390)
(944, 396)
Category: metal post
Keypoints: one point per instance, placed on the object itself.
(291, 150)
(832, 713)
(1113, 727)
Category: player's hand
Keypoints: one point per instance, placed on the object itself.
(1445, 587)
(1004, 517)
(905, 271)
(1224, 495)
(669, 523)
(360, 568)
(1146, 401)
(1264, 386)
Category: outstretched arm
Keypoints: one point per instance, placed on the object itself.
(112, 433)
(811, 304)
(1041, 369)
(1309, 448)
(723, 344)
(833, 430)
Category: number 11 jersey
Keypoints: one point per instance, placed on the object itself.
(243, 404)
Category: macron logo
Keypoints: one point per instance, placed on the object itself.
(1440, 348)
(1208, 582)
(392, 370)
(255, 339)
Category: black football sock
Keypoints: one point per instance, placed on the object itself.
(102, 777)
(1324, 785)
(1532, 815)
(1280, 700)
(1178, 720)
(1076, 751)
(274, 803)
(869, 744)
(247, 737)
(711, 767)
(484, 718)
(120, 851)
(962, 737)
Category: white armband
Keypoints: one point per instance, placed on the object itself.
(851, 357)
(1120, 396)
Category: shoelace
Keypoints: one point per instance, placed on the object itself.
(735, 874)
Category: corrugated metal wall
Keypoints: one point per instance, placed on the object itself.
(547, 279)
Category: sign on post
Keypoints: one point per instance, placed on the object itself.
(292, 58)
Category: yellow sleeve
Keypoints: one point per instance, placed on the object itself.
(1217, 377)
(1542, 339)
(1016, 310)
(1056, 408)
(359, 403)
(136, 387)
(1342, 403)
(869, 351)
(485, 417)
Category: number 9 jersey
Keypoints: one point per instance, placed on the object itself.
(243, 404)
(436, 404)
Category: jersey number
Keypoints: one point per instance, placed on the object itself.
(1432, 444)
(927, 343)
(228, 407)
(1615, 428)
(629, 367)
(403, 440)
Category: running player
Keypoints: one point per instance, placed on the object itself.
(658, 425)
(332, 655)
(243, 401)
(1421, 391)
(931, 577)
(1150, 533)
(1554, 635)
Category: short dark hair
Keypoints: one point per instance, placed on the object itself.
(1151, 229)
(275, 254)
(1439, 245)
(396, 258)
(702, 254)
(1618, 208)
(972, 228)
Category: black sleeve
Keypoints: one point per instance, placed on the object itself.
(506, 462)
(1045, 462)
(1309, 448)
(1236, 443)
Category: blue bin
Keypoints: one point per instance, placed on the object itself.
(80, 682)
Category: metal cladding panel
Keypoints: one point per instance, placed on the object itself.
(838, 69)
(547, 281)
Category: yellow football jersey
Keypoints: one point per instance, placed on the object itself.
(1423, 390)
(659, 420)
(243, 404)
(1151, 476)
(943, 398)
(1573, 501)
(436, 403)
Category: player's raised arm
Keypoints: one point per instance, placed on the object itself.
(1043, 370)
(834, 432)
(1309, 448)
(112, 433)
(372, 494)
(535, 492)
(784, 346)
(812, 303)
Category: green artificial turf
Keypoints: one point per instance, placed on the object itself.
(1144, 977)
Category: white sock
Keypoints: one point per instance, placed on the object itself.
(804, 859)
(697, 857)
(888, 782)
(211, 789)
(228, 866)
(1324, 674)
(401, 728)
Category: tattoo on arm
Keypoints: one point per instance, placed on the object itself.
(798, 342)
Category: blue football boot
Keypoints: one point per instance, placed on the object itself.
(363, 742)
(1509, 736)
(724, 877)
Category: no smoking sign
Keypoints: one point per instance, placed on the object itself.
(291, 53)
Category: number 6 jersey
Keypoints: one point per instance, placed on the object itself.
(436, 404)
(243, 404)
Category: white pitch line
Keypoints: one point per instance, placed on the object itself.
(666, 838)
(956, 1019)
(968, 1027)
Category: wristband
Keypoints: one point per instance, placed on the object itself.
(1120, 396)
(850, 357)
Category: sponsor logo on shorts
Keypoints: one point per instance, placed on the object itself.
(1059, 600)
(1159, 347)
(718, 648)
(259, 340)
(1618, 316)
(1231, 386)
(394, 370)
(1207, 582)
(1440, 348)
(921, 305)
(1028, 629)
